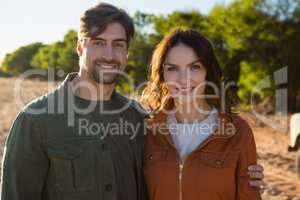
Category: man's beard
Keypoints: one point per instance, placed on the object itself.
(104, 76)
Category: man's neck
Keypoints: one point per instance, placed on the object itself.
(84, 88)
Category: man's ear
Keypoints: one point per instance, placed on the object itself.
(79, 48)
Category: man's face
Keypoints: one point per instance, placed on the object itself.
(103, 57)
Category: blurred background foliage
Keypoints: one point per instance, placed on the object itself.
(252, 39)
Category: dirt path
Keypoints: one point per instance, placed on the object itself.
(280, 176)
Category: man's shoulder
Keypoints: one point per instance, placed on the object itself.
(37, 103)
(134, 105)
(42, 104)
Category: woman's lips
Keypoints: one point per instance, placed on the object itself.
(186, 89)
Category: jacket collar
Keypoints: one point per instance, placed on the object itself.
(157, 125)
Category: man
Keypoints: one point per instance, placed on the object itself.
(83, 140)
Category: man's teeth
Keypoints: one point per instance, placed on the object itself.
(107, 66)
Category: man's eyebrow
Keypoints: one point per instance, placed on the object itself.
(97, 39)
(120, 40)
(115, 40)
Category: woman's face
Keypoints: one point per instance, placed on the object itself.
(184, 74)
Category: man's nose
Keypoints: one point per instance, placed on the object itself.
(108, 52)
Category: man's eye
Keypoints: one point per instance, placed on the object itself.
(98, 43)
(119, 45)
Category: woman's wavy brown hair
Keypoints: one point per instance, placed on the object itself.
(156, 96)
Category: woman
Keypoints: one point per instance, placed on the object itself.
(196, 148)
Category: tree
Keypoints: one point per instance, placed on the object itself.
(19, 61)
(140, 51)
(60, 55)
(184, 19)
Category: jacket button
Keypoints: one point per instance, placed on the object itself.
(59, 186)
(218, 162)
(108, 187)
(150, 157)
(104, 147)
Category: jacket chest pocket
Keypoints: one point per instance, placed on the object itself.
(155, 166)
(155, 157)
(219, 159)
(72, 167)
(155, 162)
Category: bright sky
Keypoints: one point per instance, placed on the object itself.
(25, 22)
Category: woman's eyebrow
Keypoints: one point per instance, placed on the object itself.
(174, 65)
(194, 62)
(171, 64)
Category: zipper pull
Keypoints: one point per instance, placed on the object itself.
(180, 170)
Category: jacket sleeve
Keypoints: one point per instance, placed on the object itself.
(25, 165)
(139, 145)
(247, 157)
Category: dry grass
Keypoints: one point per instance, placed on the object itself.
(29, 90)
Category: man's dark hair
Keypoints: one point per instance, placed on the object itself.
(95, 20)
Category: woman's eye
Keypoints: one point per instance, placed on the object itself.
(171, 68)
(196, 67)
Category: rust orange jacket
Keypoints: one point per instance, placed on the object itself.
(216, 170)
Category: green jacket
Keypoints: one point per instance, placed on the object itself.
(48, 156)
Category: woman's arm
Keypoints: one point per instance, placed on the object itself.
(248, 157)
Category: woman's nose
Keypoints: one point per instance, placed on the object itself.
(184, 77)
